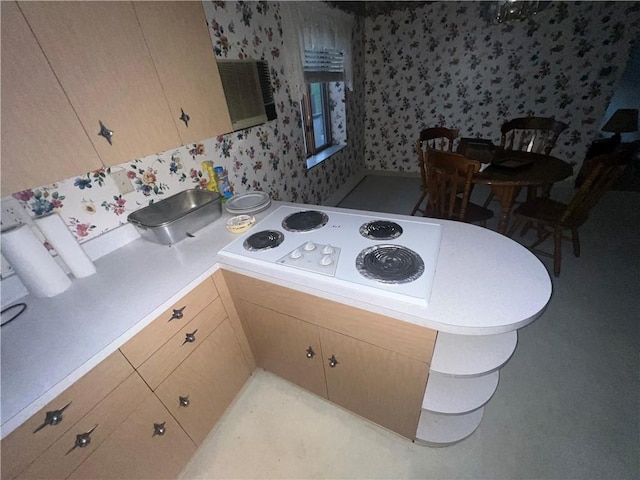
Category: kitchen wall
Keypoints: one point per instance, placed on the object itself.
(442, 64)
(269, 157)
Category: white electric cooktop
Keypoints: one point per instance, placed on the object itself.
(401, 253)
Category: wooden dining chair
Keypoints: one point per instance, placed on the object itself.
(530, 134)
(449, 183)
(551, 217)
(439, 138)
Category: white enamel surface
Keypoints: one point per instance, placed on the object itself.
(472, 355)
(436, 429)
(456, 395)
(58, 340)
(342, 231)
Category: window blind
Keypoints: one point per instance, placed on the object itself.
(323, 66)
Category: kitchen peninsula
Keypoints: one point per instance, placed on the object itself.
(468, 329)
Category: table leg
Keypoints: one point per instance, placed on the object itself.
(506, 195)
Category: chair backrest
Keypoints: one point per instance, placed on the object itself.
(603, 172)
(448, 175)
(531, 134)
(439, 138)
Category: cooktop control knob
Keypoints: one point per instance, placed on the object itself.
(326, 260)
(327, 250)
(296, 254)
(309, 246)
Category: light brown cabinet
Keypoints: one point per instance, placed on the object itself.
(135, 450)
(110, 427)
(42, 137)
(180, 45)
(29, 441)
(374, 366)
(99, 54)
(68, 66)
(198, 392)
(286, 346)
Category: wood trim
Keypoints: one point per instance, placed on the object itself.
(23, 446)
(157, 333)
(234, 318)
(171, 354)
(402, 337)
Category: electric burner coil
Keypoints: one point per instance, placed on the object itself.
(381, 230)
(263, 240)
(305, 221)
(390, 264)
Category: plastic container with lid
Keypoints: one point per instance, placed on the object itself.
(224, 187)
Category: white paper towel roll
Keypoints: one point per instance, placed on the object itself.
(62, 240)
(37, 269)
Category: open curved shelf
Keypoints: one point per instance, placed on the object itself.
(437, 430)
(472, 355)
(458, 395)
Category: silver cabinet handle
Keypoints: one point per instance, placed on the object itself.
(177, 313)
(333, 361)
(184, 401)
(82, 439)
(159, 429)
(310, 352)
(185, 118)
(105, 132)
(190, 337)
(53, 417)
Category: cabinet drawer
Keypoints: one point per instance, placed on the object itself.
(133, 451)
(158, 332)
(209, 380)
(25, 444)
(62, 458)
(172, 353)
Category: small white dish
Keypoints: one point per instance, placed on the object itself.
(240, 223)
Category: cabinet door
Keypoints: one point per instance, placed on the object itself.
(98, 53)
(181, 48)
(42, 138)
(64, 457)
(32, 438)
(378, 384)
(134, 451)
(281, 345)
(198, 392)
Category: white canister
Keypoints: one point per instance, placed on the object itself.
(37, 269)
(62, 240)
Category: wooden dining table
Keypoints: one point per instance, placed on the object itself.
(511, 170)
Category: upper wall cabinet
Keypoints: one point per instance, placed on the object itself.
(42, 138)
(99, 54)
(180, 45)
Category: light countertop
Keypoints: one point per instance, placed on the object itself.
(484, 284)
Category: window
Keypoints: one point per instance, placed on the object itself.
(317, 118)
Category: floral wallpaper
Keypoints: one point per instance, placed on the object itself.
(442, 64)
(438, 63)
(269, 157)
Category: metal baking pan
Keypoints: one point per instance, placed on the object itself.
(178, 216)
